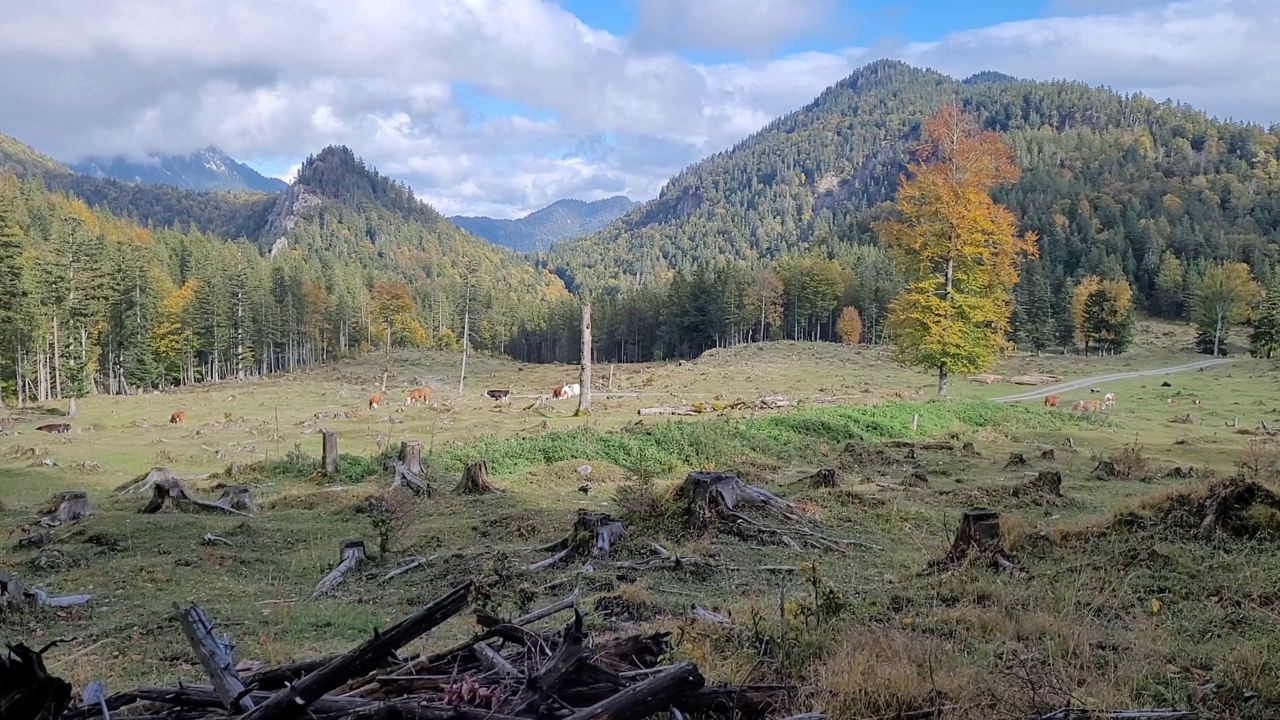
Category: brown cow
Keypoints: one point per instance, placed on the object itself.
(375, 402)
(55, 428)
(418, 395)
(560, 393)
(1051, 401)
(178, 418)
(1173, 402)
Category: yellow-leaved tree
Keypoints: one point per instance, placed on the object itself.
(958, 250)
(849, 326)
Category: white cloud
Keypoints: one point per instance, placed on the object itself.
(607, 114)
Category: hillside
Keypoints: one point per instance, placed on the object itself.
(205, 169)
(1110, 182)
(537, 231)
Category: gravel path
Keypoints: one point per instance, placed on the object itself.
(1070, 385)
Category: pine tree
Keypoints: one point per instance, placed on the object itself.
(13, 293)
(1264, 338)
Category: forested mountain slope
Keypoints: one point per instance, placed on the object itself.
(206, 169)
(1110, 182)
(537, 231)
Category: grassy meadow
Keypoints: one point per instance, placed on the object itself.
(1123, 606)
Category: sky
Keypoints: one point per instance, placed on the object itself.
(500, 107)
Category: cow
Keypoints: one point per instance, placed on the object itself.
(560, 393)
(1085, 405)
(1109, 400)
(1196, 401)
(502, 395)
(55, 428)
(418, 395)
(1173, 402)
(1051, 401)
(573, 389)
(375, 402)
(178, 418)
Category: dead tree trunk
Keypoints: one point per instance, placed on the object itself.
(238, 497)
(72, 505)
(351, 558)
(475, 479)
(584, 381)
(647, 698)
(215, 654)
(330, 457)
(293, 700)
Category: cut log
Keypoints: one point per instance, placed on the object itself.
(146, 482)
(293, 700)
(351, 557)
(170, 496)
(678, 410)
(238, 497)
(646, 698)
(475, 479)
(15, 594)
(27, 690)
(72, 505)
(329, 457)
(216, 656)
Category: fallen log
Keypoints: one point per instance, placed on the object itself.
(646, 698)
(539, 688)
(15, 594)
(293, 700)
(683, 410)
(350, 558)
(215, 655)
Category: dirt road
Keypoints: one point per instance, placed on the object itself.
(1070, 385)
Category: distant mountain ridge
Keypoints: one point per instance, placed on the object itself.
(560, 220)
(208, 169)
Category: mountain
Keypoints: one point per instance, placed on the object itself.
(207, 169)
(1119, 185)
(537, 231)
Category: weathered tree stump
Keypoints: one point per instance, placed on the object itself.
(27, 690)
(409, 471)
(329, 457)
(593, 535)
(980, 531)
(1045, 483)
(824, 478)
(351, 557)
(969, 450)
(916, 479)
(1049, 454)
(1016, 460)
(171, 496)
(147, 482)
(1107, 469)
(911, 454)
(411, 456)
(716, 498)
(238, 497)
(475, 479)
(72, 505)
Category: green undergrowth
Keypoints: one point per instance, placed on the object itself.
(778, 438)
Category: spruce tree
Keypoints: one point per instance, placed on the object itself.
(1264, 337)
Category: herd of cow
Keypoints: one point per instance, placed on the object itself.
(422, 395)
(1108, 401)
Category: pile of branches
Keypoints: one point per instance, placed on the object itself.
(504, 672)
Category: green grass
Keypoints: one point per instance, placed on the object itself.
(866, 625)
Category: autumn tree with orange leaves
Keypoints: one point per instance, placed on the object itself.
(959, 251)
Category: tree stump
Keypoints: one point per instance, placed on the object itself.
(330, 453)
(916, 479)
(147, 482)
(1107, 469)
(980, 530)
(824, 478)
(72, 505)
(911, 454)
(475, 479)
(238, 497)
(351, 557)
(969, 450)
(1046, 482)
(13, 593)
(711, 495)
(596, 531)
(411, 456)
(170, 496)
(1049, 455)
(1016, 460)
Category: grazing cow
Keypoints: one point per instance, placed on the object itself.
(375, 402)
(1085, 406)
(1109, 401)
(1196, 401)
(55, 428)
(1051, 401)
(418, 395)
(573, 389)
(498, 394)
(1173, 402)
(560, 393)
(178, 418)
